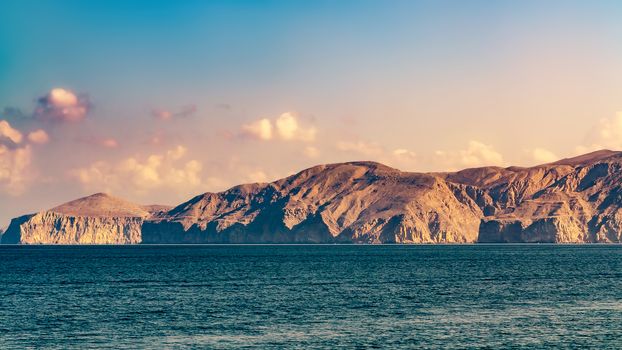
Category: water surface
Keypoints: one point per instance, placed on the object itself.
(311, 296)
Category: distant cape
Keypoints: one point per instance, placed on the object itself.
(574, 200)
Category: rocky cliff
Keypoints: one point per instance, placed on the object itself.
(350, 202)
(97, 219)
(576, 200)
(573, 200)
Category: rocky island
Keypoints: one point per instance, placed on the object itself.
(574, 200)
(96, 219)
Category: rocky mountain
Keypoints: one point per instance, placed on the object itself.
(96, 219)
(350, 202)
(573, 200)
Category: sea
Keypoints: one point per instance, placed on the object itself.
(503, 296)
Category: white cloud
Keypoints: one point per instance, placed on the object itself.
(607, 133)
(478, 153)
(542, 155)
(401, 152)
(39, 137)
(143, 174)
(62, 98)
(475, 154)
(260, 129)
(286, 127)
(15, 172)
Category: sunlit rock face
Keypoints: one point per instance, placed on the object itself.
(575, 200)
(97, 219)
(360, 202)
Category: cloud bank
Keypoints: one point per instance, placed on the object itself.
(475, 154)
(143, 174)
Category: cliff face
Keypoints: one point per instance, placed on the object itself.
(97, 219)
(576, 200)
(572, 201)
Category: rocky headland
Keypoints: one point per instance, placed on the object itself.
(574, 200)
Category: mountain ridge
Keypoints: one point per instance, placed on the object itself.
(576, 199)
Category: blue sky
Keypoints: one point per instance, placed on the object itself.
(255, 90)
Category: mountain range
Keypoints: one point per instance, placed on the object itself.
(574, 200)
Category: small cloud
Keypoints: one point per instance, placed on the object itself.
(39, 137)
(163, 114)
(7, 132)
(289, 128)
(401, 152)
(476, 154)
(607, 133)
(62, 105)
(260, 129)
(542, 155)
(109, 143)
(286, 127)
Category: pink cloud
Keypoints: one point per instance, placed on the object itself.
(62, 105)
(164, 114)
(39, 136)
(9, 133)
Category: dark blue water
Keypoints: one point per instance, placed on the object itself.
(475, 296)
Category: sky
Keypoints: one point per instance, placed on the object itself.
(158, 101)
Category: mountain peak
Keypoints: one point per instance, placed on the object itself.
(101, 205)
(587, 158)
